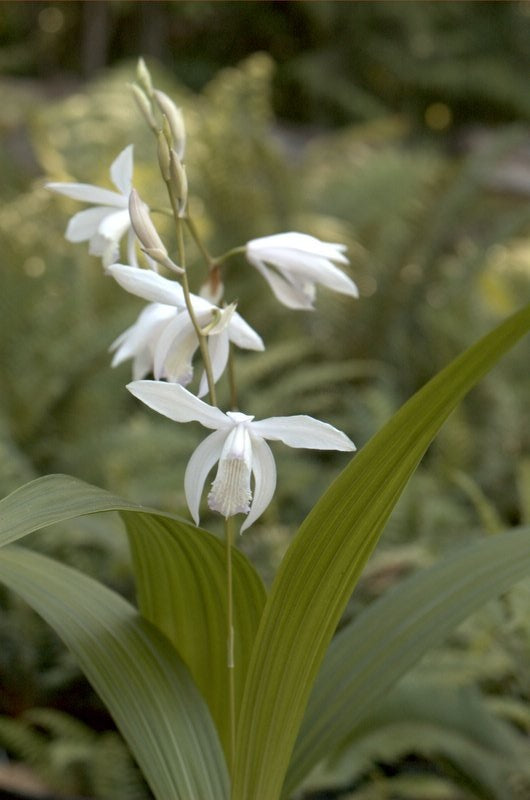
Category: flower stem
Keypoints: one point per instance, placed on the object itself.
(229, 253)
(229, 537)
(187, 297)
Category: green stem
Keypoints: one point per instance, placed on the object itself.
(229, 536)
(187, 297)
(229, 253)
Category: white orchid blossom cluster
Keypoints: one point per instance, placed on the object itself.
(175, 323)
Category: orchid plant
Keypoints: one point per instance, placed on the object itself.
(221, 689)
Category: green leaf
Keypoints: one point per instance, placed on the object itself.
(54, 498)
(368, 656)
(134, 669)
(180, 573)
(181, 579)
(326, 559)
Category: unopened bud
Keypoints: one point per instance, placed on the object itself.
(175, 120)
(163, 155)
(178, 180)
(161, 257)
(142, 223)
(144, 77)
(145, 106)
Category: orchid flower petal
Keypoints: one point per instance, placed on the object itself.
(175, 402)
(302, 431)
(148, 284)
(83, 225)
(175, 349)
(218, 347)
(242, 335)
(199, 465)
(87, 193)
(114, 225)
(264, 470)
(287, 293)
(121, 170)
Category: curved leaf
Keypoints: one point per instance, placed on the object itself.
(180, 573)
(181, 579)
(325, 560)
(134, 669)
(368, 656)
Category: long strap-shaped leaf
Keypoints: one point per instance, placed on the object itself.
(181, 581)
(325, 560)
(180, 573)
(136, 672)
(368, 656)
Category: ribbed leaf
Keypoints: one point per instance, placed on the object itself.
(325, 560)
(181, 579)
(180, 572)
(54, 498)
(134, 669)
(368, 656)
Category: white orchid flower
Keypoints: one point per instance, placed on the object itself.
(176, 341)
(292, 263)
(139, 341)
(238, 444)
(104, 225)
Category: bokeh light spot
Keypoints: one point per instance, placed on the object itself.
(34, 267)
(438, 116)
(51, 19)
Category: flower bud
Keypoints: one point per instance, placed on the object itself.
(144, 77)
(178, 180)
(161, 257)
(175, 120)
(146, 232)
(163, 155)
(144, 106)
(142, 223)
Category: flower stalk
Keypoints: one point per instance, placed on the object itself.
(230, 660)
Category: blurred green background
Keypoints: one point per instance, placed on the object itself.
(401, 129)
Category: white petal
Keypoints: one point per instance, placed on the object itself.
(121, 170)
(300, 242)
(199, 465)
(175, 349)
(142, 365)
(294, 265)
(264, 470)
(114, 225)
(139, 336)
(87, 193)
(107, 249)
(148, 284)
(84, 224)
(243, 335)
(293, 296)
(175, 402)
(218, 347)
(302, 431)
